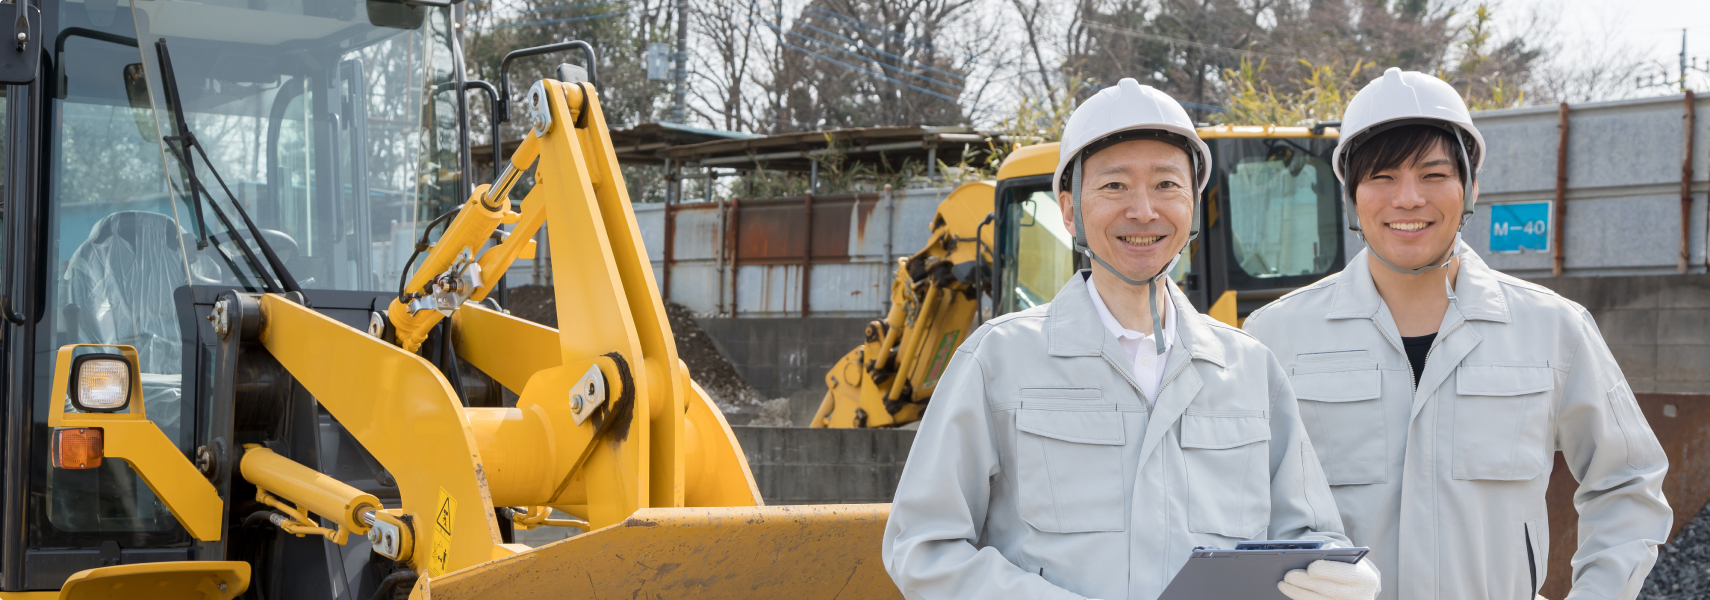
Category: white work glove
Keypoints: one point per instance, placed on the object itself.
(1331, 580)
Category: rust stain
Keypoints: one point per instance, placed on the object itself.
(771, 231)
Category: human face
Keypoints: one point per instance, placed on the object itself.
(1410, 213)
(1137, 200)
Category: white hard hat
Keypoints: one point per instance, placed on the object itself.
(1401, 98)
(1408, 96)
(1128, 106)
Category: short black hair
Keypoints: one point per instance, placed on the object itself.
(1174, 139)
(1406, 144)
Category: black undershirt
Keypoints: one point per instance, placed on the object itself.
(1417, 348)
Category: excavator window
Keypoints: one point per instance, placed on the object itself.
(1283, 206)
(334, 123)
(1045, 254)
(1037, 253)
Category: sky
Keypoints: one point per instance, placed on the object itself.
(1651, 27)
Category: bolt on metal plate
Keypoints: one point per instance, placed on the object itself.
(588, 394)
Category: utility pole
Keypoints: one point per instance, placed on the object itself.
(1683, 60)
(679, 96)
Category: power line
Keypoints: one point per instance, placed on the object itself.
(876, 62)
(863, 70)
(547, 9)
(874, 28)
(1172, 40)
(870, 27)
(911, 62)
(565, 20)
(865, 46)
(780, 32)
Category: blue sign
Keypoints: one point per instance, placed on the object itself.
(1520, 226)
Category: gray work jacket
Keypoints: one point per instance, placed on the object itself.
(1446, 483)
(1040, 471)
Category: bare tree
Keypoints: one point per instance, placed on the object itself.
(730, 36)
(1598, 67)
(858, 63)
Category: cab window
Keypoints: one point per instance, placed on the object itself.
(1283, 217)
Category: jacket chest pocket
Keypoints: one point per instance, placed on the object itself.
(1069, 469)
(1502, 421)
(1228, 474)
(1341, 406)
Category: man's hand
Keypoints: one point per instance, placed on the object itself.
(1331, 580)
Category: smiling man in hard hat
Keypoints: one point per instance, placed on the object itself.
(1438, 390)
(1085, 447)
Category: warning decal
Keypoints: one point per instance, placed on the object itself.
(444, 522)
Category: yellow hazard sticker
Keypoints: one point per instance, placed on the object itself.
(444, 522)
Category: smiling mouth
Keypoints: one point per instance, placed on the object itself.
(1140, 240)
(1409, 226)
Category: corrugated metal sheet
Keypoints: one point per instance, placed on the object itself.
(769, 240)
(1623, 198)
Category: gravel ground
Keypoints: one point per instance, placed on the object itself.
(738, 400)
(1683, 567)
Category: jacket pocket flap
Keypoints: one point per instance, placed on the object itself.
(1080, 427)
(1503, 380)
(1339, 386)
(1062, 393)
(1211, 432)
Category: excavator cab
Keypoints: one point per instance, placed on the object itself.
(336, 124)
(1270, 221)
(249, 346)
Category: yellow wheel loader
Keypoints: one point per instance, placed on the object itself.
(250, 349)
(1272, 220)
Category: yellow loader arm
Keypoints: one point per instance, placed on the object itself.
(608, 426)
(934, 298)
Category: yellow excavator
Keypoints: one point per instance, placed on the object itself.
(1272, 223)
(239, 363)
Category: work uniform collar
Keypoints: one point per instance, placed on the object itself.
(1477, 295)
(1123, 333)
(1073, 327)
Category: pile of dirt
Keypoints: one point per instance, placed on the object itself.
(533, 303)
(708, 366)
(738, 400)
(1683, 565)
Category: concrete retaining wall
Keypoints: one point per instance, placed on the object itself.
(781, 357)
(796, 465)
(1658, 327)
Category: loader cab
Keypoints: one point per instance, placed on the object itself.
(335, 123)
(1270, 222)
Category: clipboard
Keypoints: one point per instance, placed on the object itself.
(1250, 571)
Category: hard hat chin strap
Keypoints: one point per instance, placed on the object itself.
(1448, 256)
(1467, 203)
(1151, 283)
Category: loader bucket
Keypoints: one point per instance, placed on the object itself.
(825, 551)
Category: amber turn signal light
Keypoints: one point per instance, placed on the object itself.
(77, 448)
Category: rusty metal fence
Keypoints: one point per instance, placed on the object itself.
(820, 256)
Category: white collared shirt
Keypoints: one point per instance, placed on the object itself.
(1148, 365)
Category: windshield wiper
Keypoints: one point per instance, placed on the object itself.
(181, 145)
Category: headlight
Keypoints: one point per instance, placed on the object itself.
(102, 383)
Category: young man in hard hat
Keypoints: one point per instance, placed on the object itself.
(1085, 447)
(1438, 390)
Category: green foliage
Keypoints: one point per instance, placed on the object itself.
(1037, 120)
(1320, 96)
(1478, 72)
